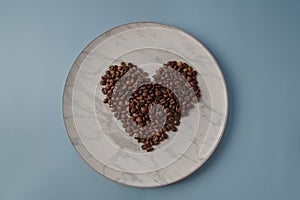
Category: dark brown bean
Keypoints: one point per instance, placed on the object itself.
(143, 109)
(149, 149)
(105, 100)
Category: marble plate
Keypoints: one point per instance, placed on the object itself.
(98, 137)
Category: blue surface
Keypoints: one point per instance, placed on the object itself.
(256, 44)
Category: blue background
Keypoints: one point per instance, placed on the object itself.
(256, 44)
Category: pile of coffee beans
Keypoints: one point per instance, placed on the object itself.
(187, 72)
(118, 81)
(167, 114)
(147, 110)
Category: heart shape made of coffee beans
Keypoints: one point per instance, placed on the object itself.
(149, 109)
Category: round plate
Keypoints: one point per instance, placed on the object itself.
(97, 135)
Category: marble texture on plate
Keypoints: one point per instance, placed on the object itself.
(99, 138)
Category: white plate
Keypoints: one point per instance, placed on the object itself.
(98, 137)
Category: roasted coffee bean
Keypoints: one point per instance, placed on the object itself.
(173, 128)
(139, 119)
(150, 148)
(158, 134)
(165, 136)
(156, 142)
(144, 147)
(105, 100)
(177, 122)
(104, 90)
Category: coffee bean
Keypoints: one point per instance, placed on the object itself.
(143, 109)
(105, 100)
(144, 147)
(104, 90)
(162, 101)
(176, 122)
(139, 119)
(173, 128)
(149, 149)
(165, 136)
